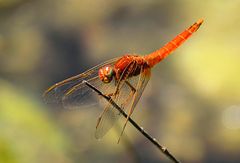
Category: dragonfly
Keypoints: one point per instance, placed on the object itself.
(123, 79)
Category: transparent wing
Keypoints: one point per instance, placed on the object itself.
(82, 95)
(130, 91)
(71, 93)
(142, 83)
(110, 114)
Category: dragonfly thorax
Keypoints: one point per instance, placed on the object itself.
(106, 74)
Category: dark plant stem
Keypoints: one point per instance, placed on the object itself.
(140, 129)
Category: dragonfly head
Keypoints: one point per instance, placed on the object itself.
(106, 74)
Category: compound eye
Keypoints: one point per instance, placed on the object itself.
(106, 74)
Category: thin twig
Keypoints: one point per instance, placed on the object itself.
(140, 129)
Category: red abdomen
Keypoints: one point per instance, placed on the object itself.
(155, 57)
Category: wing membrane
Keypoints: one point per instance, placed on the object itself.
(81, 94)
(110, 114)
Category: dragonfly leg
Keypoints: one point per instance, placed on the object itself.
(111, 94)
(118, 84)
(117, 89)
(132, 87)
(114, 94)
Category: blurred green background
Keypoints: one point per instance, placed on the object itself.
(191, 104)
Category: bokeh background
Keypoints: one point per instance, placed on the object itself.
(191, 104)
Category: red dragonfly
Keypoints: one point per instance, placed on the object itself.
(123, 79)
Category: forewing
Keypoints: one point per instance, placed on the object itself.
(72, 92)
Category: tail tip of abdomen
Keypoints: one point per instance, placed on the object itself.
(199, 22)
